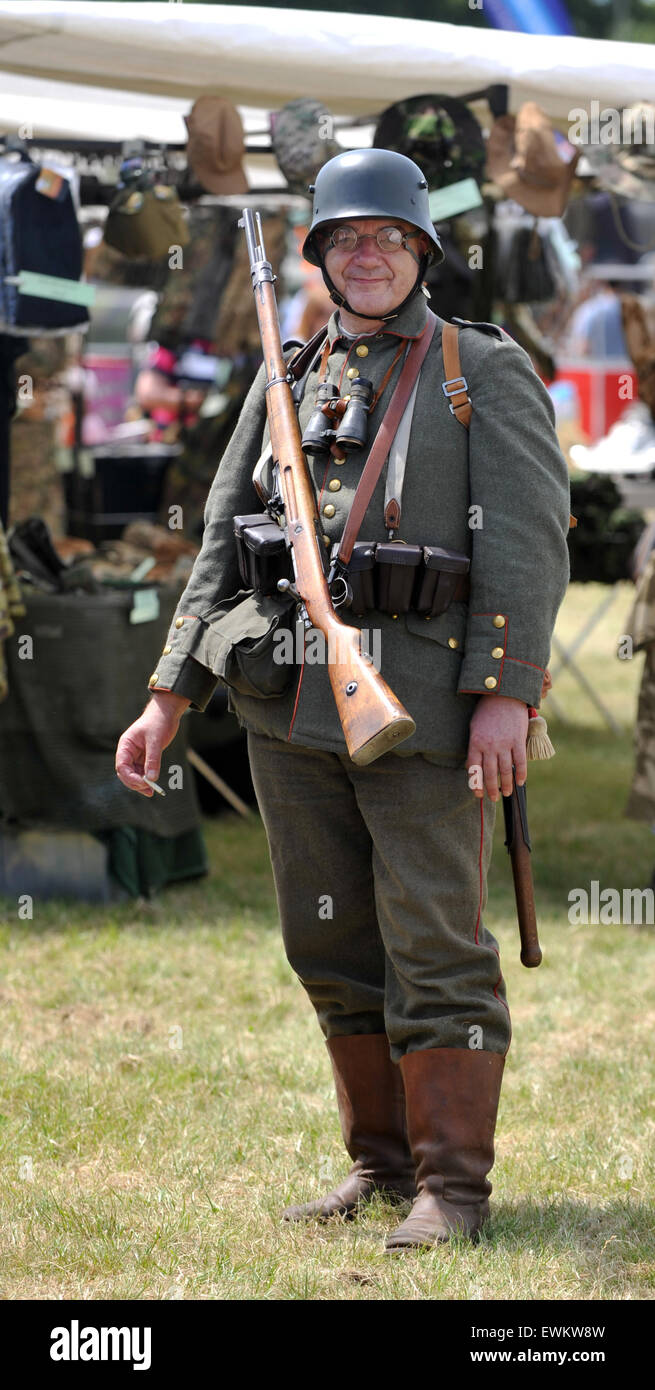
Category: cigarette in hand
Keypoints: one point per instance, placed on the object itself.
(155, 786)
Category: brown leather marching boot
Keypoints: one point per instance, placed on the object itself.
(371, 1102)
(452, 1102)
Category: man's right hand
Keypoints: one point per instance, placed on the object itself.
(141, 746)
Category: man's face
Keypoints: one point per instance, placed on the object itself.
(373, 281)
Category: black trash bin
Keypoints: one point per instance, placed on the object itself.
(126, 485)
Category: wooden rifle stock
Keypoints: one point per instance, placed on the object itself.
(372, 719)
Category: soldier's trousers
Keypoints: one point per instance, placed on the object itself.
(380, 875)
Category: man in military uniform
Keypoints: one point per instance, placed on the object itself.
(380, 871)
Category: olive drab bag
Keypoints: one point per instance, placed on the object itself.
(145, 217)
(237, 641)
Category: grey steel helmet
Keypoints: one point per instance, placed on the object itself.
(371, 183)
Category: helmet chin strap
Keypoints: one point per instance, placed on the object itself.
(342, 302)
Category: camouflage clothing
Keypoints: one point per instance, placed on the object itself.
(189, 477)
(190, 299)
(210, 298)
(301, 140)
(641, 628)
(627, 168)
(11, 606)
(36, 485)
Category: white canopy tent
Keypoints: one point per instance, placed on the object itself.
(355, 63)
(45, 111)
(38, 108)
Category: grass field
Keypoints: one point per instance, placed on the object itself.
(166, 1091)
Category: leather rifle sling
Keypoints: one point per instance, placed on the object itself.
(303, 360)
(384, 438)
(299, 369)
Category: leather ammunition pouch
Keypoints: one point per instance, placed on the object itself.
(394, 577)
(390, 576)
(261, 552)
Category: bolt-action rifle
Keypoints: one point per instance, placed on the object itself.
(372, 719)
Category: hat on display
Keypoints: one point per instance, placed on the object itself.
(439, 133)
(216, 146)
(522, 158)
(627, 166)
(302, 141)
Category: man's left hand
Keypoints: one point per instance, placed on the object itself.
(497, 739)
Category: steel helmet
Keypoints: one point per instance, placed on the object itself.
(371, 183)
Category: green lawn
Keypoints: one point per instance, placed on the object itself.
(166, 1091)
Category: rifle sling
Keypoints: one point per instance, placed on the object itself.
(303, 360)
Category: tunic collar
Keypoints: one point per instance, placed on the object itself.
(409, 324)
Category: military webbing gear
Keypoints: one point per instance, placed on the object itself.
(449, 469)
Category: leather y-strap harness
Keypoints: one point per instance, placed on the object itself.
(397, 420)
(384, 439)
(455, 387)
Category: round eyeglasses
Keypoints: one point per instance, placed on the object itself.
(388, 238)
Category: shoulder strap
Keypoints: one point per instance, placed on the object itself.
(455, 387)
(460, 401)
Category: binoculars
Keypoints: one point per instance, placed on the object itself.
(336, 420)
